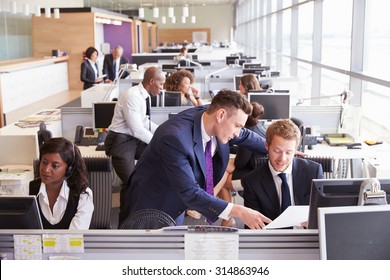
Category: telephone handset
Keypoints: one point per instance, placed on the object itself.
(79, 134)
(85, 137)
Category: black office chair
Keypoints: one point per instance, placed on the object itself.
(43, 134)
(299, 123)
(148, 219)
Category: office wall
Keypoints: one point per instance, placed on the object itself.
(219, 18)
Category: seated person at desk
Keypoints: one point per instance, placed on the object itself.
(248, 82)
(183, 54)
(182, 81)
(112, 63)
(89, 69)
(64, 198)
(284, 180)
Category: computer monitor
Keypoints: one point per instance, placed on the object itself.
(169, 67)
(276, 105)
(256, 70)
(172, 98)
(248, 65)
(191, 69)
(102, 113)
(337, 192)
(354, 233)
(232, 59)
(19, 212)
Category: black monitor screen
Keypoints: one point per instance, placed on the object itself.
(172, 98)
(102, 114)
(337, 192)
(251, 65)
(19, 212)
(191, 69)
(276, 105)
(232, 59)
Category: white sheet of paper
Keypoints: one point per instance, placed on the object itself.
(292, 216)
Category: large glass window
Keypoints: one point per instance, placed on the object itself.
(286, 45)
(336, 33)
(333, 83)
(305, 30)
(377, 53)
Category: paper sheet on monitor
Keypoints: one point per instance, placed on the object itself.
(292, 216)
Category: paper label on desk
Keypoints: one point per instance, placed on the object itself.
(211, 246)
(63, 243)
(27, 247)
(292, 216)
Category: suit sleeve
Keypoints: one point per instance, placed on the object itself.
(105, 67)
(179, 166)
(250, 198)
(124, 60)
(84, 74)
(242, 157)
(250, 140)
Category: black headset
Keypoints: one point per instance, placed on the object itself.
(70, 167)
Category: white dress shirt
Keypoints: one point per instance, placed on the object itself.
(83, 216)
(278, 181)
(93, 64)
(130, 115)
(206, 138)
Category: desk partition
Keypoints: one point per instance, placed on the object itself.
(157, 244)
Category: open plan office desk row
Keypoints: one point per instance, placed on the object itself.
(163, 245)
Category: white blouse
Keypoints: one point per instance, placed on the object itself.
(82, 218)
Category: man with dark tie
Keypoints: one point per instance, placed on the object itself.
(187, 157)
(284, 180)
(112, 63)
(131, 128)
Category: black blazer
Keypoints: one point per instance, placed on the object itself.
(260, 192)
(87, 74)
(108, 66)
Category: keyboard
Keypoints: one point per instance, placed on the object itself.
(89, 141)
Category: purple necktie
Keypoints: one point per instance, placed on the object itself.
(209, 171)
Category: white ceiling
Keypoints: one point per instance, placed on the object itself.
(116, 5)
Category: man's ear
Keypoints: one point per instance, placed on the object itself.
(220, 115)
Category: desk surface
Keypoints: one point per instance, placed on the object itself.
(142, 244)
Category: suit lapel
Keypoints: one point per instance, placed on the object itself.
(298, 177)
(198, 142)
(269, 185)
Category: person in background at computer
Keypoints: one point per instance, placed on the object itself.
(89, 69)
(183, 54)
(264, 187)
(182, 81)
(248, 82)
(171, 175)
(132, 128)
(64, 197)
(112, 63)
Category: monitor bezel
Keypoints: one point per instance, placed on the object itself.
(32, 213)
(171, 92)
(264, 93)
(94, 113)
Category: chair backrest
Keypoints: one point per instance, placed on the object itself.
(327, 164)
(148, 219)
(302, 129)
(43, 134)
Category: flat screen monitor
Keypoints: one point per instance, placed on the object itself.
(19, 212)
(168, 67)
(354, 232)
(255, 70)
(337, 192)
(232, 59)
(248, 65)
(102, 113)
(276, 105)
(191, 69)
(172, 98)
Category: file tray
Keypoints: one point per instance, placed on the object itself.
(338, 139)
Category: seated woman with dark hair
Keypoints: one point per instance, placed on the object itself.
(63, 193)
(182, 81)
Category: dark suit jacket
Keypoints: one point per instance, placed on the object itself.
(108, 66)
(170, 175)
(260, 191)
(87, 75)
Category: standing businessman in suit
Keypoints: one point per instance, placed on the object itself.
(112, 63)
(264, 187)
(171, 174)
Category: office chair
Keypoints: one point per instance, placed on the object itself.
(148, 219)
(302, 129)
(43, 134)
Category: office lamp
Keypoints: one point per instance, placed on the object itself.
(122, 69)
(346, 95)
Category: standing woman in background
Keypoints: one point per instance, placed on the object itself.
(182, 81)
(89, 69)
(63, 194)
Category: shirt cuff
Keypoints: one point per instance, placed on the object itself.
(226, 212)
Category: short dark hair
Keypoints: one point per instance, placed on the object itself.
(231, 101)
(257, 112)
(90, 51)
(250, 82)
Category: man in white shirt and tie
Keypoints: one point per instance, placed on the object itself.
(131, 128)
